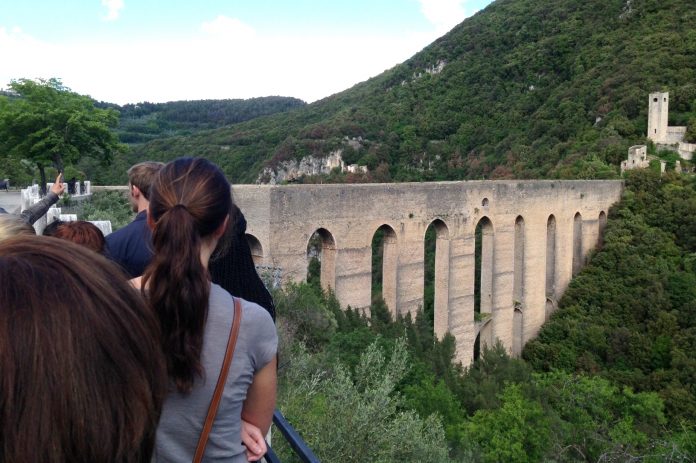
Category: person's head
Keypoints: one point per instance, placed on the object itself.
(52, 228)
(189, 204)
(83, 376)
(12, 225)
(83, 233)
(236, 228)
(140, 178)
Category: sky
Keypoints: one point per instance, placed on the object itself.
(128, 51)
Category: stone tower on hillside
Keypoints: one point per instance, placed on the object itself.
(658, 111)
(664, 136)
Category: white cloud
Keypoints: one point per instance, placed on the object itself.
(113, 9)
(226, 59)
(228, 28)
(444, 14)
(25, 56)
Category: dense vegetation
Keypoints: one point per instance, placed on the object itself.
(525, 88)
(631, 316)
(610, 378)
(146, 121)
(103, 205)
(31, 106)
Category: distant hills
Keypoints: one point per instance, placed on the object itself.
(523, 89)
(146, 121)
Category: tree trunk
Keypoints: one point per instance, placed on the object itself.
(58, 162)
(42, 173)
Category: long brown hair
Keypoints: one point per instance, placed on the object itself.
(82, 375)
(189, 201)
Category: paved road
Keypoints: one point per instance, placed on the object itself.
(10, 200)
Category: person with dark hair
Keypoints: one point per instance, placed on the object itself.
(190, 201)
(71, 185)
(232, 265)
(131, 247)
(52, 228)
(80, 232)
(82, 374)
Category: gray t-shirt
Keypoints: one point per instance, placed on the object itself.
(183, 415)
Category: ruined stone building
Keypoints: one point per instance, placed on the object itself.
(661, 133)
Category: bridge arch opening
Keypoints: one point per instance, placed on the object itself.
(483, 280)
(551, 276)
(601, 225)
(550, 307)
(518, 336)
(385, 255)
(436, 276)
(577, 243)
(518, 288)
(255, 248)
(483, 330)
(321, 259)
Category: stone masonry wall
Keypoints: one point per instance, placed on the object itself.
(283, 218)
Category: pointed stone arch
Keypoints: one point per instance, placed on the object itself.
(601, 225)
(322, 246)
(483, 279)
(518, 289)
(577, 243)
(384, 244)
(255, 248)
(439, 272)
(551, 265)
(519, 276)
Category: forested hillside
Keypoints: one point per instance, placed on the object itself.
(145, 121)
(631, 315)
(525, 89)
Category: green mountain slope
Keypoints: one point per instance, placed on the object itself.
(146, 121)
(525, 88)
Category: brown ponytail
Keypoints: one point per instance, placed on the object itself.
(189, 200)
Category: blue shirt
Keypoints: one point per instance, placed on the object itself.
(131, 246)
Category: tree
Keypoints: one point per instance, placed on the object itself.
(517, 431)
(45, 122)
(360, 416)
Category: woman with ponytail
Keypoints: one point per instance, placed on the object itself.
(190, 201)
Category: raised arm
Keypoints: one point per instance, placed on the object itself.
(35, 212)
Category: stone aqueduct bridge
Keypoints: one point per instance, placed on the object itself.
(535, 236)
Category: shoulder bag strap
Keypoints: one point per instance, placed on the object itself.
(222, 379)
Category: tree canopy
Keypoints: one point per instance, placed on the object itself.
(46, 123)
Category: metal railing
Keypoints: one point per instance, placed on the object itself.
(299, 446)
